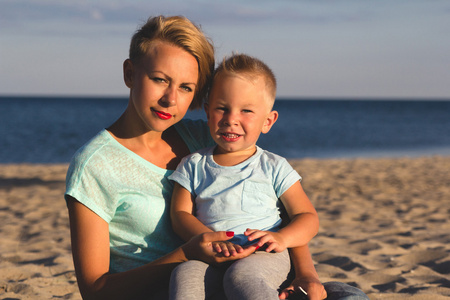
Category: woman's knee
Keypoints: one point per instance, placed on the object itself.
(343, 291)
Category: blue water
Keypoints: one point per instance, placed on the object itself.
(50, 130)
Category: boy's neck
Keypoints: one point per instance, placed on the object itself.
(228, 159)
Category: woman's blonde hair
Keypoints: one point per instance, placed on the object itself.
(181, 32)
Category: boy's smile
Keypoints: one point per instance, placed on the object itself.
(230, 137)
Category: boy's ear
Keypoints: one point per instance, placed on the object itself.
(128, 73)
(270, 120)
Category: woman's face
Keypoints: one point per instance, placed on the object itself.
(162, 84)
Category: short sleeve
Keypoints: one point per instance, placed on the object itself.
(85, 182)
(184, 174)
(283, 175)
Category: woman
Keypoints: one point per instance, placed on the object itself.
(117, 188)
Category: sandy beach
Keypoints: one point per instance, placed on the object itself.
(384, 227)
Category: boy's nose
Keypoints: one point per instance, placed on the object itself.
(230, 119)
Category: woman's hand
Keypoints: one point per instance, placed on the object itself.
(200, 247)
(311, 285)
(273, 240)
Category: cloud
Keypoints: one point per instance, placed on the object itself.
(332, 47)
(25, 14)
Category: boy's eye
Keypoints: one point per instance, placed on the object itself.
(247, 111)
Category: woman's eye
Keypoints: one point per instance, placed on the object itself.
(157, 79)
(186, 88)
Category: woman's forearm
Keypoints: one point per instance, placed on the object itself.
(139, 283)
(142, 282)
(91, 257)
(91, 250)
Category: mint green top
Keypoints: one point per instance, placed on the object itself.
(131, 194)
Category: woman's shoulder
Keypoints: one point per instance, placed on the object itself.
(90, 148)
(192, 127)
(189, 123)
(195, 133)
(92, 154)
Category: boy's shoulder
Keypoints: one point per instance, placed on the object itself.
(270, 156)
(198, 155)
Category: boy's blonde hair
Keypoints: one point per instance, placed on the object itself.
(181, 32)
(249, 67)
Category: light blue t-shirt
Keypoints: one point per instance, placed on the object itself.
(131, 194)
(235, 198)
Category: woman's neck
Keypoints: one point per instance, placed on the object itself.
(163, 149)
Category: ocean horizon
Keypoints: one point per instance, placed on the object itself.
(39, 129)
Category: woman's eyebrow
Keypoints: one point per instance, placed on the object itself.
(170, 78)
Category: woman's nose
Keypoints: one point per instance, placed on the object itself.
(170, 97)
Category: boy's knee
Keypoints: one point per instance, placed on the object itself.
(239, 273)
(187, 269)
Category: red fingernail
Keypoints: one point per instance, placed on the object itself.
(230, 233)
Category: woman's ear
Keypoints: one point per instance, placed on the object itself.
(128, 73)
(270, 120)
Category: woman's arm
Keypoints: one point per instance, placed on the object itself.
(305, 275)
(91, 255)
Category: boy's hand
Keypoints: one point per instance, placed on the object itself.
(227, 248)
(273, 240)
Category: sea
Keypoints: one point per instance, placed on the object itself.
(51, 129)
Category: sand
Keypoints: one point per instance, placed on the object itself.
(384, 227)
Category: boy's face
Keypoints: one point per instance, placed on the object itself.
(238, 111)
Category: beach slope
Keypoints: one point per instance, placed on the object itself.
(384, 227)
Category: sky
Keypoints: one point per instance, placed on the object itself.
(317, 49)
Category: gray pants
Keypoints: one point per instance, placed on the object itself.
(335, 290)
(257, 276)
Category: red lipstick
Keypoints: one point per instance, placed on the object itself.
(162, 115)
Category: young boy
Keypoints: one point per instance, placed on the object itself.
(236, 186)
